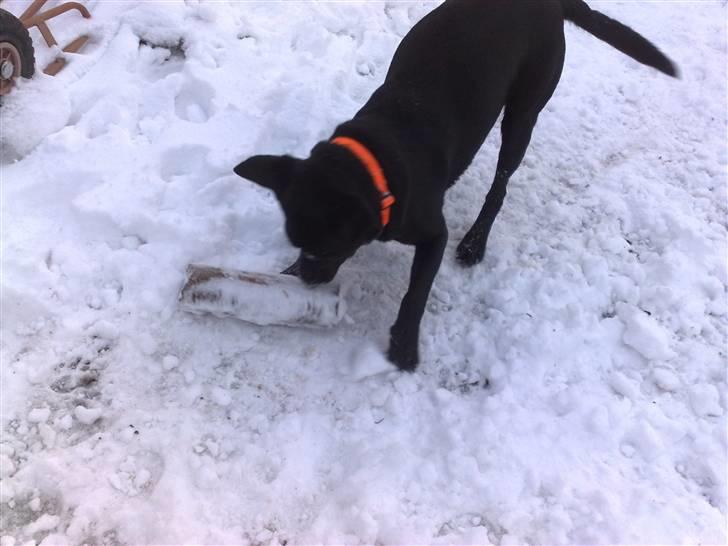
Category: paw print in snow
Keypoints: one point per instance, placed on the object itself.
(138, 474)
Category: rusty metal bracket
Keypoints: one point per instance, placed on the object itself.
(32, 18)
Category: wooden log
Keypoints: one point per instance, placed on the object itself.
(260, 298)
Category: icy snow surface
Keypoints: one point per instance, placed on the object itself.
(573, 386)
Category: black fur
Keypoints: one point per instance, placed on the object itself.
(448, 82)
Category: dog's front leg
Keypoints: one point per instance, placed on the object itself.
(405, 333)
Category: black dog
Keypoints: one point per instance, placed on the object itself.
(450, 78)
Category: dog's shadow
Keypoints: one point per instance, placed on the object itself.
(375, 280)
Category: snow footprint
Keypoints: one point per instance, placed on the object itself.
(138, 474)
(77, 405)
(473, 526)
(157, 61)
(80, 372)
(194, 102)
(183, 161)
(33, 513)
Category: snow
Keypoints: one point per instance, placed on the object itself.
(367, 361)
(645, 335)
(170, 362)
(87, 415)
(39, 415)
(43, 523)
(572, 388)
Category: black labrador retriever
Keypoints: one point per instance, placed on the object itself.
(384, 173)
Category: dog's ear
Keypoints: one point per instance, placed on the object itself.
(271, 171)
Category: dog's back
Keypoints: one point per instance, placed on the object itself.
(454, 72)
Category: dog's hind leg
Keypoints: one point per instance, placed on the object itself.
(532, 91)
(516, 130)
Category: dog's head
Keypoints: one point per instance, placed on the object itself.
(329, 210)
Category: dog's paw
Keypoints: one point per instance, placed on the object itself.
(403, 355)
(470, 252)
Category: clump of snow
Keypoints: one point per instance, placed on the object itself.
(39, 415)
(45, 522)
(666, 379)
(7, 466)
(37, 109)
(170, 362)
(87, 416)
(705, 400)
(645, 335)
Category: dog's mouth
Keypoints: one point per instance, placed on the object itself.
(318, 268)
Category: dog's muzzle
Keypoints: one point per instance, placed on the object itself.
(313, 269)
(318, 270)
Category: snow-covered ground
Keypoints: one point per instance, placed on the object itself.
(573, 386)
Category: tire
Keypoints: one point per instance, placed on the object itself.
(17, 57)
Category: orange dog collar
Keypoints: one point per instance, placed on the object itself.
(375, 172)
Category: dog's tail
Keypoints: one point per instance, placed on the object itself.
(618, 36)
